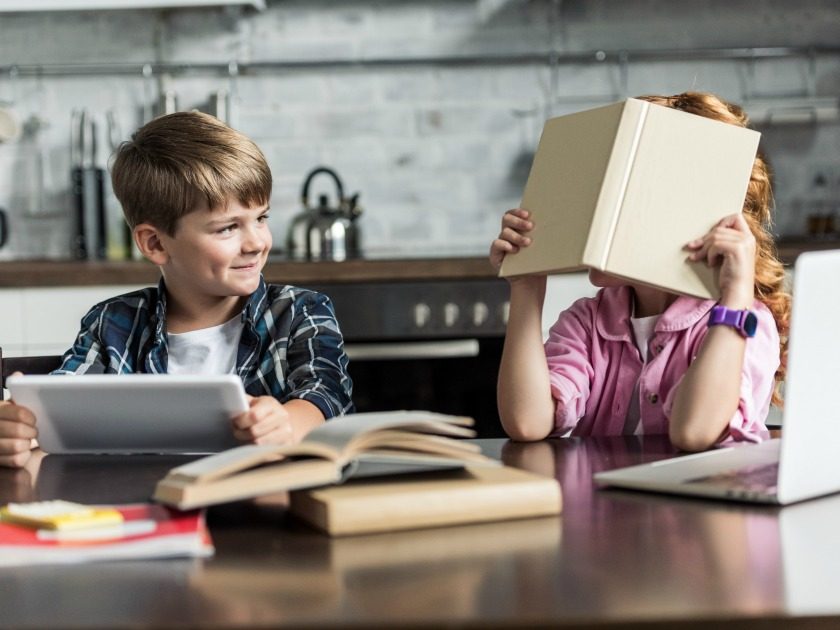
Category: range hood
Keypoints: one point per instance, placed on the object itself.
(22, 6)
(793, 111)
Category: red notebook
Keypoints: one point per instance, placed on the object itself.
(148, 531)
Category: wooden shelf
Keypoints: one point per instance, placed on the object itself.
(790, 247)
(72, 273)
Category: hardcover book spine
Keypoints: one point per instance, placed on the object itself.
(616, 177)
(472, 507)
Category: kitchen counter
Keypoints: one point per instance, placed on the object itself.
(57, 273)
(44, 273)
(790, 247)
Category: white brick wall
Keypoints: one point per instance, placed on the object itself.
(438, 153)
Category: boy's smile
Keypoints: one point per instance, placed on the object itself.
(215, 258)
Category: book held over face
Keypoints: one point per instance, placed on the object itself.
(622, 188)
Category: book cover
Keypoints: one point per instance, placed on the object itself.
(470, 495)
(147, 531)
(362, 444)
(622, 189)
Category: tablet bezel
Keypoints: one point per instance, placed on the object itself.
(166, 413)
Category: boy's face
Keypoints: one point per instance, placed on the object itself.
(217, 253)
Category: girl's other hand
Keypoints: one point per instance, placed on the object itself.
(731, 245)
(511, 239)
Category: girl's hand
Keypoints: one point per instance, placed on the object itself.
(266, 422)
(512, 237)
(731, 245)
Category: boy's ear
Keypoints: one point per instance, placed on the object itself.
(149, 242)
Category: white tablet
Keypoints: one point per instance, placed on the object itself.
(131, 413)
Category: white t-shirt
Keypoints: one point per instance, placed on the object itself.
(642, 332)
(205, 351)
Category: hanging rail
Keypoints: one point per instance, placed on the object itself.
(549, 57)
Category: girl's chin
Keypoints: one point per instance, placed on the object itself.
(602, 280)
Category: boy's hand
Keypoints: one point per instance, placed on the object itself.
(17, 430)
(731, 245)
(266, 422)
(512, 237)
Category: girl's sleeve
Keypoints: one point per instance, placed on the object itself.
(569, 366)
(761, 360)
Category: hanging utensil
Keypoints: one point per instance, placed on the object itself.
(79, 245)
(4, 227)
(88, 181)
(119, 235)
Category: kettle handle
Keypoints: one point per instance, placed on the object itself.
(4, 228)
(321, 169)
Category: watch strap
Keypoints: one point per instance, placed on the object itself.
(744, 321)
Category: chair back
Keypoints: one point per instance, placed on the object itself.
(28, 365)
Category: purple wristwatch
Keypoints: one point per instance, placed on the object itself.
(745, 321)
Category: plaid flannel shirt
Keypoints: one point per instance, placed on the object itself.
(291, 345)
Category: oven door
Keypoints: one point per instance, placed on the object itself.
(455, 376)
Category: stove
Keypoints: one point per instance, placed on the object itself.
(433, 345)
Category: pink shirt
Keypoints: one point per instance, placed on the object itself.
(594, 364)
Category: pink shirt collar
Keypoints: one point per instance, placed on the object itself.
(615, 307)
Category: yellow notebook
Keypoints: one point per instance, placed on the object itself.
(622, 189)
(470, 495)
(59, 515)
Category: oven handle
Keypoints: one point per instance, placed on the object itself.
(448, 349)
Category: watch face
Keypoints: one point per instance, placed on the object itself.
(750, 324)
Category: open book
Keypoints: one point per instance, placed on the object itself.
(622, 189)
(358, 445)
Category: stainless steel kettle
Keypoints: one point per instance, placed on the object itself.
(325, 232)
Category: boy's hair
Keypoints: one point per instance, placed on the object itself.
(758, 210)
(175, 162)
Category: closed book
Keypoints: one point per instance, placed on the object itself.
(622, 188)
(470, 495)
(356, 445)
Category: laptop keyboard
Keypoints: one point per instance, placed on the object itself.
(761, 478)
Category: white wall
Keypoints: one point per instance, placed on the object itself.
(437, 152)
(39, 321)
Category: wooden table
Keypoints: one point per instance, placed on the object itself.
(613, 559)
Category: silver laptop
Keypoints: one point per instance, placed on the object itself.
(805, 462)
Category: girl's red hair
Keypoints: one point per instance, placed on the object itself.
(758, 208)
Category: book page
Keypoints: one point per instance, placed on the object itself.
(688, 173)
(226, 463)
(348, 434)
(563, 189)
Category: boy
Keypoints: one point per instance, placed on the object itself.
(195, 193)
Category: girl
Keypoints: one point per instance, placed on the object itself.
(634, 359)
